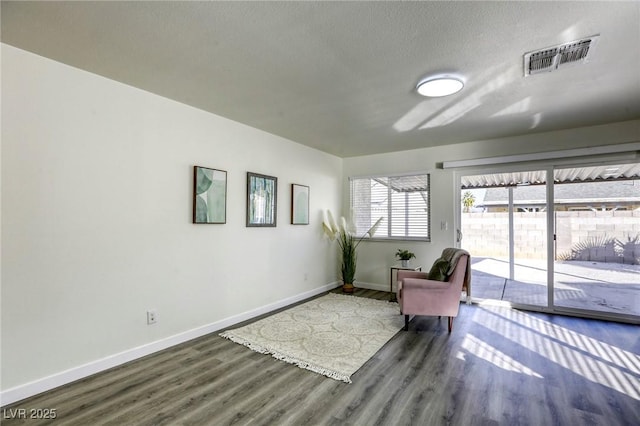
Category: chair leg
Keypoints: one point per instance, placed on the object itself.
(450, 324)
(406, 322)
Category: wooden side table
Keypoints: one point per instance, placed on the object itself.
(392, 295)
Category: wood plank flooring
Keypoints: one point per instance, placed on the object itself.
(498, 367)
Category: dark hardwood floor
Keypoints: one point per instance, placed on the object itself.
(498, 367)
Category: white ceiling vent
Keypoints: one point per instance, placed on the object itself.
(553, 58)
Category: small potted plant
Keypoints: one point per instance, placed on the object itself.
(405, 256)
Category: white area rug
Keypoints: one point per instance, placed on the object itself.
(333, 335)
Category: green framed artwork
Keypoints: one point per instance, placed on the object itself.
(262, 196)
(209, 195)
(299, 204)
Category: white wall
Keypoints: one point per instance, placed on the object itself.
(96, 223)
(374, 257)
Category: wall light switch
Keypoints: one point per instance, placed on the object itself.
(444, 225)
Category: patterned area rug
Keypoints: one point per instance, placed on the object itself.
(333, 335)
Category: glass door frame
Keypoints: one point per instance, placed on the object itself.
(509, 168)
(549, 168)
(573, 311)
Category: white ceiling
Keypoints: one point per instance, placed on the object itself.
(340, 76)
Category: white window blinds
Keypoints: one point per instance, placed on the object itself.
(402, 202)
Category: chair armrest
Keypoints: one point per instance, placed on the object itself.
(419, 284)
(405, 273)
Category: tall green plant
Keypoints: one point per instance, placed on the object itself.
(348, 244)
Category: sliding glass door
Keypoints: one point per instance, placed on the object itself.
(597, 247)
(556, 239)
(504, 227)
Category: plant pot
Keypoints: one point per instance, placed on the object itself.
(404, 263)
(347, 288)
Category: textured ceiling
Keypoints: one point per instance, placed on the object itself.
(340, 76)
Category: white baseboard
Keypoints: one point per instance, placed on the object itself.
(44, 384)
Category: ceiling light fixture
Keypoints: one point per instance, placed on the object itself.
(434, 87)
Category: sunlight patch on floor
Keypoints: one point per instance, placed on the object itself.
(592, 359)
(487, 352)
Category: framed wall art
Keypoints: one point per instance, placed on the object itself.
(209, 195)
(262, 196)
(299, 204)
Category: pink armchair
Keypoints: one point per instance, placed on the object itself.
(417, 295)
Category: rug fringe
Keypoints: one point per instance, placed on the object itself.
(256, 348)
(286, 358)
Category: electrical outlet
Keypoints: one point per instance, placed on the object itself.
(152, 317)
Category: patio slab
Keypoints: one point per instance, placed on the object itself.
(597, 286)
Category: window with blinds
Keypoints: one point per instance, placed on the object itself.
(402, 202)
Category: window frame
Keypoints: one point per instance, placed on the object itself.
(387, 231)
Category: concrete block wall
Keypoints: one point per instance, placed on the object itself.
(487, 234)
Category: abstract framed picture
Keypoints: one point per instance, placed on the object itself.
(299, 204)
(262, 196)
(209, 195)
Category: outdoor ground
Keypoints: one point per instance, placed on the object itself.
(606, 287)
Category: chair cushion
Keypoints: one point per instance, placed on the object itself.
(439, 269)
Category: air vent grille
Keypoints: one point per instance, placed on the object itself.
(574, 52)
(544, 60)
(553, 58)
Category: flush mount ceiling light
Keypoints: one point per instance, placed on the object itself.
(434, 87)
